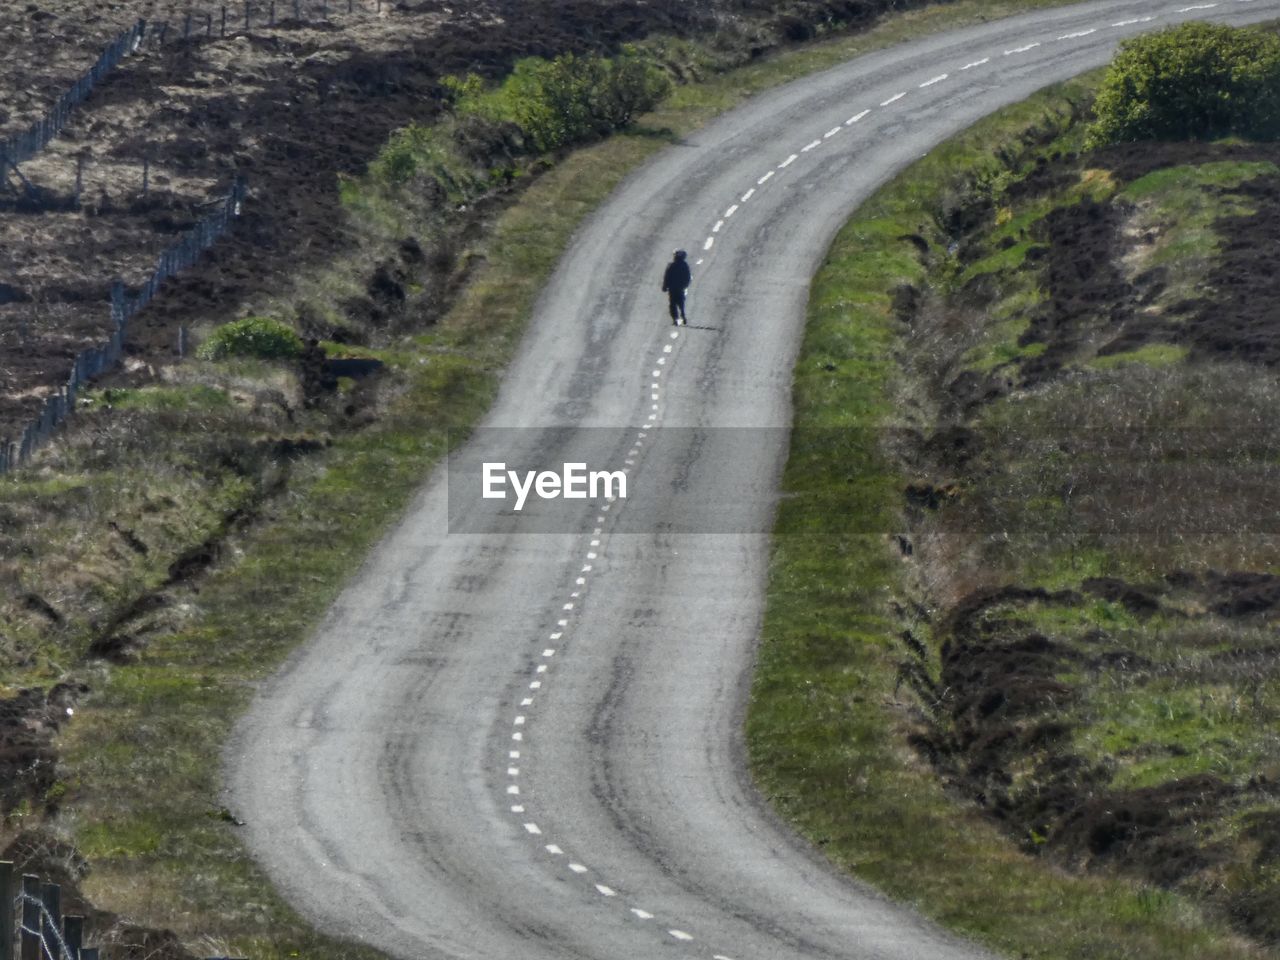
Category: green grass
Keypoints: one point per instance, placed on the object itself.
(825, 728)
(1151, 355)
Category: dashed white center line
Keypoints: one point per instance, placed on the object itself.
(577, 868)
(513, 790)
(519, 722)
(731, 211)
(554, 850)
(642, 914)
(831, 133)
(680, 934)
(517, 808)
(533, 828)
(513, 771)
(762, 180)
(748, 195)
(1126, 23)
(716, 228)
(894, 98)
(856, 117)
(1022, 49)
(1078, 33)
(517, 736)
(938, 79)
(809, 146)
(1198, 6)
(789, 161)
(976, 63)
(606, 891)
(549, 652)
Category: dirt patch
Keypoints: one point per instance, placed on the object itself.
(29, 721)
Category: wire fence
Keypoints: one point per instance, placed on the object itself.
(24, 146)
(32, 926)
(244, 15)
(95, 360)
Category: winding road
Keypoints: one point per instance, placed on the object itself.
(517, 735)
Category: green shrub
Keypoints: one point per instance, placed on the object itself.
(568, 100)
(1194, 81)
(260, 337)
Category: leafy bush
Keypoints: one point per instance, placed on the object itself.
(568, 100)
(1194, 81)
(260, 337)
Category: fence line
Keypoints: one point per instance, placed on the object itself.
(93, 361)
(244, 15)
(32, 926)
(24, 146)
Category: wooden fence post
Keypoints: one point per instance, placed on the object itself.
(7, 892)
(73, 935)
(30, 940)
(51, 893)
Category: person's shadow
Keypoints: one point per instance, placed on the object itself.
(698, 326)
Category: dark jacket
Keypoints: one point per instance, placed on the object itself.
(677, 277)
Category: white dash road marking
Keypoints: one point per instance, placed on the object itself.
(562, 623)
(642, 914)
(554, 850)
(581, 580)
(533, 828)
(729, 213)
(831, 133)
(896, 97)
(577, 868)
(938, 79)
(513, 771)
(810, 146)
(513, 790)
(716, 228)
(1022, 49)
(1198, 6)
(1078, 33)
(789, 161)
(527, 702)
(856, 117)
(976, 63)
(709, 242)
(517, 736)
(761, 182)
(567, 606)
(514, 754)
(606, 891)
(748, 195)
(549, 652)
(1126, 23)
(517, 808)
(680, 934)
(542, 668)
(536, 685)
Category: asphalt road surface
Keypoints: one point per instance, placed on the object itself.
(517, 735)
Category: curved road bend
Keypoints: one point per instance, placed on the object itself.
(527, 747)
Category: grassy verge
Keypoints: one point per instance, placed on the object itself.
(831, 713)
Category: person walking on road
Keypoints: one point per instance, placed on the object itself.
(675, 282)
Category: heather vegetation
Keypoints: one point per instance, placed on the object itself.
(1069, 354)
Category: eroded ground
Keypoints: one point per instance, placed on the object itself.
(1096, 516)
